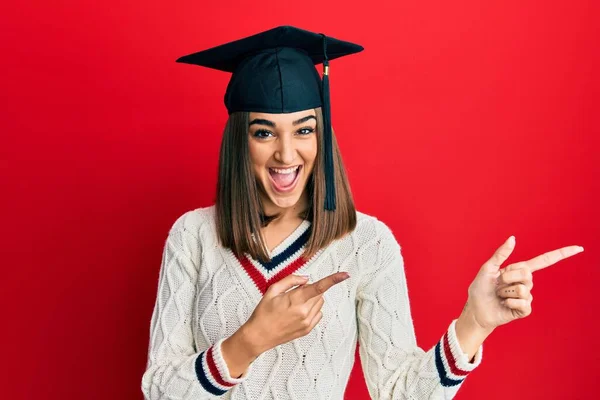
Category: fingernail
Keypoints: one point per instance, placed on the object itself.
(580, 248)
(304, 276)
(511, 240)
(346, 275)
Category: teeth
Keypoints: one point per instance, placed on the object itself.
(285, 171)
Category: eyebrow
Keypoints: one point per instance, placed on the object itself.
(260, 121)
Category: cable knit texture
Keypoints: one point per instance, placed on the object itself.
(205, 293)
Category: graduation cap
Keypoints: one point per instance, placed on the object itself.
(274, 72)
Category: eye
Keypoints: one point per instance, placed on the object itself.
(262, 134)
(305, 131)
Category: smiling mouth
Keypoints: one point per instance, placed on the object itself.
(284, 179)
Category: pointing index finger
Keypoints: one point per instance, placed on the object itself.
(321, 286)
(552, 257)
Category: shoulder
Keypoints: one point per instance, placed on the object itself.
(190, 235)
(370, 227)
(195, 223)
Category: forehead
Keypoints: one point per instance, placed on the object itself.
(282, 119)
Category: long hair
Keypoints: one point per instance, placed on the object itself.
(239, 212)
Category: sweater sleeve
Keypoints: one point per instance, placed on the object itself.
(176, 369)
(393, 365)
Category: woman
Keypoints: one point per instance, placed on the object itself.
(265, 294)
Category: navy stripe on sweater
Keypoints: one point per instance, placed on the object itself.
(202, 377)
(442, 371)
(288, 252)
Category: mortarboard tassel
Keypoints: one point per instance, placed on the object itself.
(327, 136)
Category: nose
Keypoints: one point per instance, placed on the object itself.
(286, 150)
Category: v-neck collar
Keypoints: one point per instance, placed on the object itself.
(298, 236)
(286, 258)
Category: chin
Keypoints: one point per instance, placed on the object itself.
(284, 202)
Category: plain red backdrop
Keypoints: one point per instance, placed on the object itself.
(460, 124)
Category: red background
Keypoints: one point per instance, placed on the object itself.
(461, 123)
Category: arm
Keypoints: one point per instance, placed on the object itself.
(175, 368)
(394, 366)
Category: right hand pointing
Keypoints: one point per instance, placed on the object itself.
(283, 315)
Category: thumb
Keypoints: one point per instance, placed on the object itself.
(286, 284)
(501, 254)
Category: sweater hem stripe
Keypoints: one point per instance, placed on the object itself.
(445, 381)
(203, 378)
(212, 366)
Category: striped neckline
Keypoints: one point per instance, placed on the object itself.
(286, 258)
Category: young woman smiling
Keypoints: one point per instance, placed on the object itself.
(265, 294)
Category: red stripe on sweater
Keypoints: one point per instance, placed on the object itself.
(214, 371)
(451, 361)
(261, 283)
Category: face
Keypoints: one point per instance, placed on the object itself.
(283, 149)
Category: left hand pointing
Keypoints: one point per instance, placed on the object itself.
(499, 296)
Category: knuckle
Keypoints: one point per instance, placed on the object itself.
(305, 323)
(501, 255)
(320, 288)
(302, 312)
(522, 290)
(563, 253)
(306, 312)
(546, 258)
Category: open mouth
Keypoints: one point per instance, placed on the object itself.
(285, 179)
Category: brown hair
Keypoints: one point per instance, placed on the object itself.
(239, 214)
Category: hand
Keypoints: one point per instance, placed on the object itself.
(283, 314)
(499, 296)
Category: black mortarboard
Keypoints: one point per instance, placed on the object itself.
(274, 72)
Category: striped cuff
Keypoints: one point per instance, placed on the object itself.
(212, 371)
(452, 364)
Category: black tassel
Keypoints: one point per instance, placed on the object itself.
(327, 136)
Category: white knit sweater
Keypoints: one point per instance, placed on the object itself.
(205, 294)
